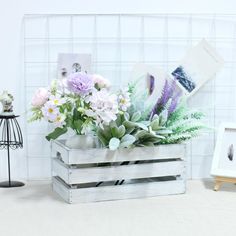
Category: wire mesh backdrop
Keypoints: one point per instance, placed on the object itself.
(117, 42)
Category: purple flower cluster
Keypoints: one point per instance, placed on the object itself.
(80, 83)
(169, 92)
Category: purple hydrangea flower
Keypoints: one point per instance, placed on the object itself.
(80, 83)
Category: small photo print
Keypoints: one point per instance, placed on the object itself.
(71, 62)
(184, 78)
(200, 64)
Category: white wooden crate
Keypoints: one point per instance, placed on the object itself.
(146, 172)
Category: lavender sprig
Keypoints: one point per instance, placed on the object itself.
(167, 93)
(174, 103)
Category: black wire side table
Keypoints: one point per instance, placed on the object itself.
(10, 137)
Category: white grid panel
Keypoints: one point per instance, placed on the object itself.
(117, 42)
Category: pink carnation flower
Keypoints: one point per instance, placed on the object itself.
(40, 97)
(100, 81)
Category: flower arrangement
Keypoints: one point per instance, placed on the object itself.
(80, 102)
(84, 103)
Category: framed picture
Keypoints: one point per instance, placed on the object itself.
(224, 160)
(72, 62)
(150, 79)
(200, 64)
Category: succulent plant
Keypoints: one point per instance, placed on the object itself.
(129, 130)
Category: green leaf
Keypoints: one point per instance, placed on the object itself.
(115, 131)
(148, 144)
(118, 132)
(102, 138)
(56, 133)
(141, 125)
(114, 144)
(130, 124)
(129, 130)
(126, 116)
(155, 124)
(140, 134)
(78, 125)
(136, 116)
(119, 120)
(163, 117)
(121, 131)
(107, 132)
(164, 132)
(76, 114)
(127, 140)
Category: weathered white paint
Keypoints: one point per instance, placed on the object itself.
(98, 155)
(109, 173)
(73, 167)
(118, 192)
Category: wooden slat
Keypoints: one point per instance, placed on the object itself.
(110, 173)
(61, 189)
(59, 148)
(98, 155)
(137, 190)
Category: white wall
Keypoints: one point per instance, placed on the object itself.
(11, 38)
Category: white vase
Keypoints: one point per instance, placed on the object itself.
(81, 141)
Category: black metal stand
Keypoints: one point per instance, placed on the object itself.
(11, 137)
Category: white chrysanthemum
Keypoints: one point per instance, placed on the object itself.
(57, 100)
(103, 107)
(50, 111)
(124, 99)
(59, 120)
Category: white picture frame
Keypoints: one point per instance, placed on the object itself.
(200, 64)
(224, 159)
(68, 63)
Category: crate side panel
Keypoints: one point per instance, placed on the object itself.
(63, 191)
(139, 190)
(110, 173)
(86, 156)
